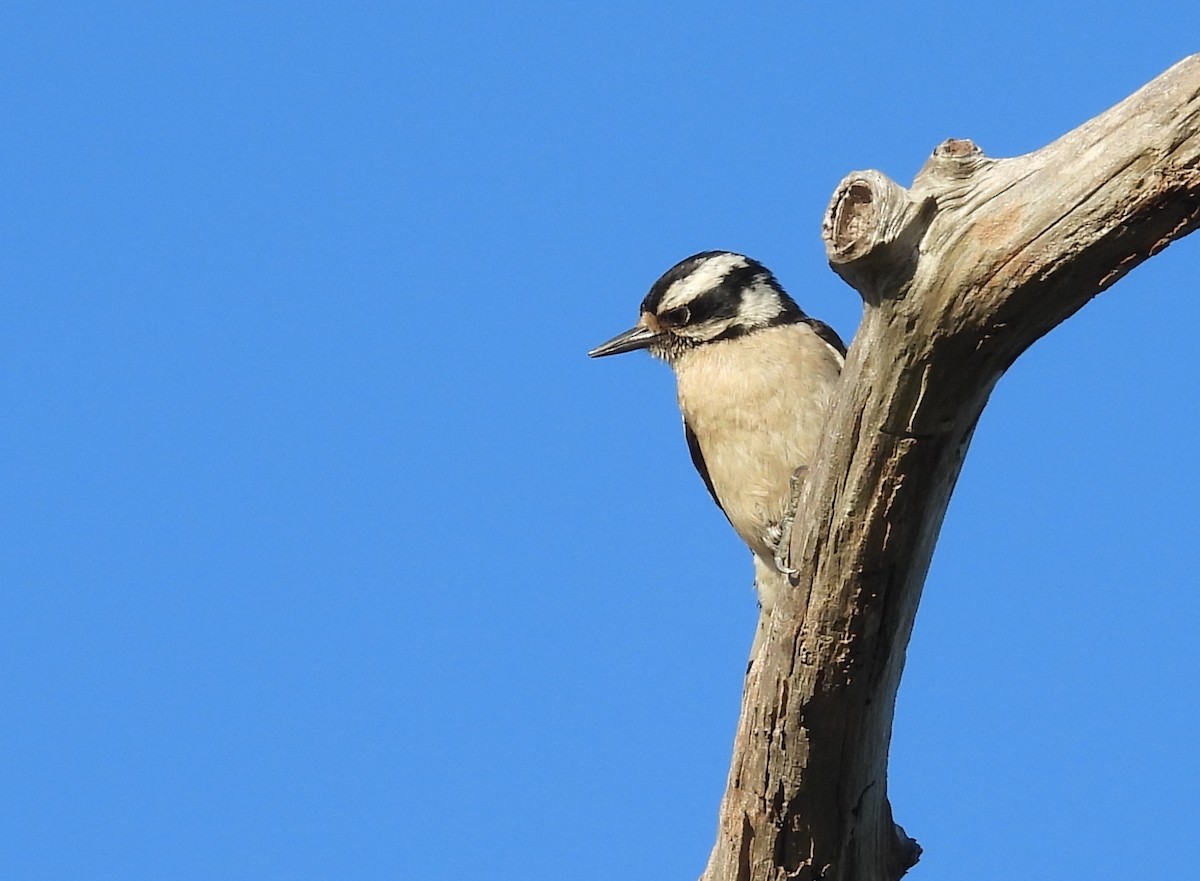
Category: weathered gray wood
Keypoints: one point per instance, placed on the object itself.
(959, 274)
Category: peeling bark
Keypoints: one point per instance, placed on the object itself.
(959, 274)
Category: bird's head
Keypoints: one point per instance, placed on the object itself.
(708, 298)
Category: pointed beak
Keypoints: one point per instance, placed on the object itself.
(637, 337)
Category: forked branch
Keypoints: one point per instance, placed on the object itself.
(959, 275)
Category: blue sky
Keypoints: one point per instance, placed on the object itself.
(326, 553)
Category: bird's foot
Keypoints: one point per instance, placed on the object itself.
(782, 535)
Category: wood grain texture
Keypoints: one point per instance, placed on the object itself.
(959, 274)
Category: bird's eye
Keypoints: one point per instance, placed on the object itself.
(676, 317)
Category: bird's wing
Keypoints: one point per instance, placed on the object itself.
(698, 460)
(827, 334)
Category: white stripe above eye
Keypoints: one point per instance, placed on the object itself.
(704, 277)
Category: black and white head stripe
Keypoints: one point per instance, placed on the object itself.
(728, 293)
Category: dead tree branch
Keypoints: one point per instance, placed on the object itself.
(959, 275)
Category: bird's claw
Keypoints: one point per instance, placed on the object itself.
(783, 542)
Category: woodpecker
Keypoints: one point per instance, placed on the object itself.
(755, 378)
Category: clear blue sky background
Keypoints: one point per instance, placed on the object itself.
(325, 553)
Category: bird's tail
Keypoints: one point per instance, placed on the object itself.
(769, 582)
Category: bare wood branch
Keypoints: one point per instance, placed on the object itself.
(959, 275)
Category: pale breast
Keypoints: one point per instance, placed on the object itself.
(757, 405)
